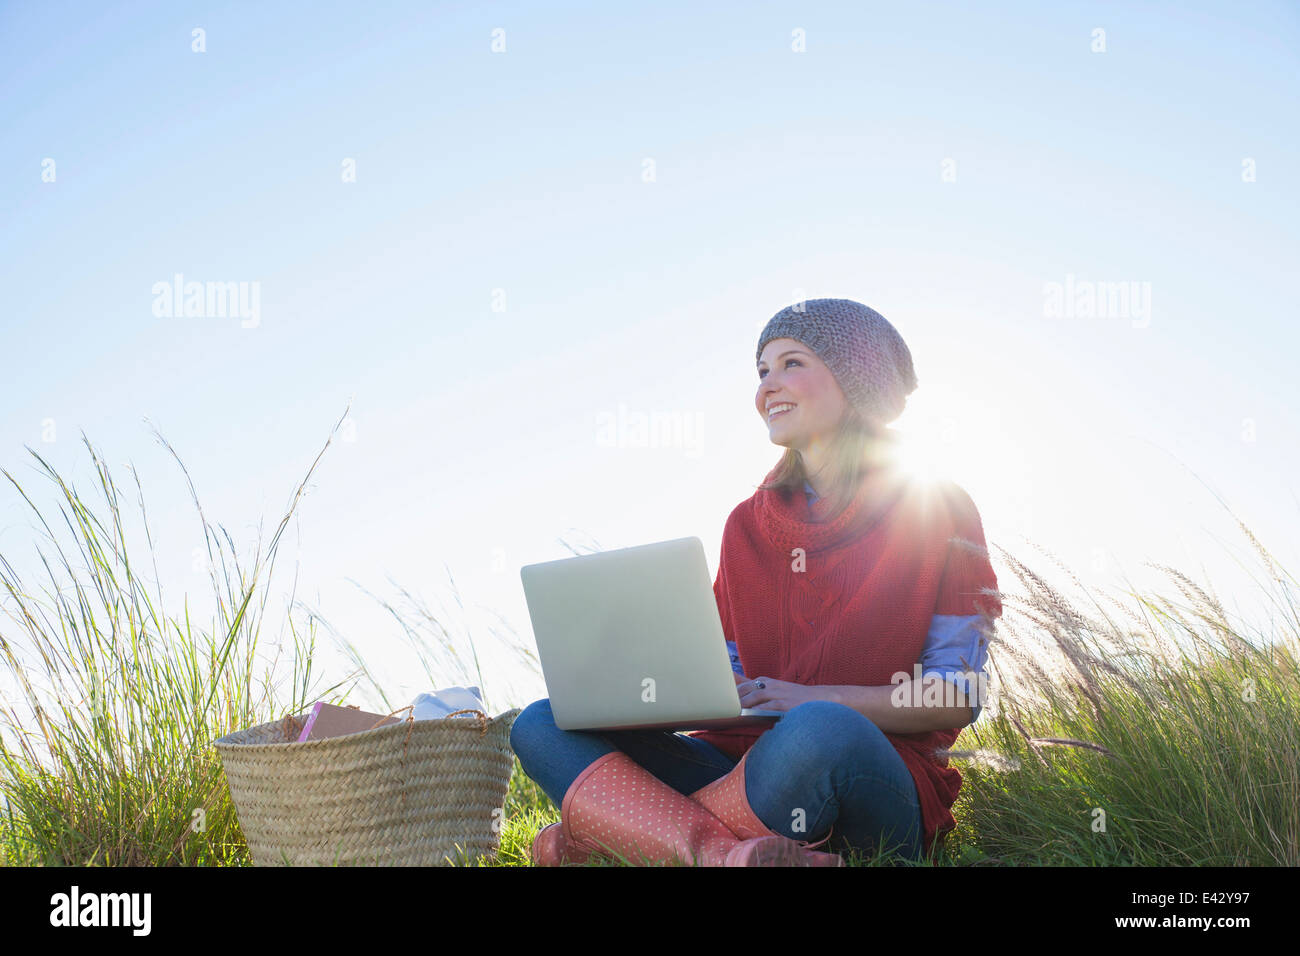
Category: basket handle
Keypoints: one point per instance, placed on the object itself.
(291, 727)
(410, 718)
(482, 718)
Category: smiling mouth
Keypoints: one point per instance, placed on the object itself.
(775, 415)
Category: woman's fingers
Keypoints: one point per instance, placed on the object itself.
(753, 692)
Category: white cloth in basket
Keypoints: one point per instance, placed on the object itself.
(440, 703)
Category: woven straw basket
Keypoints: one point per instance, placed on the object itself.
(417, 793)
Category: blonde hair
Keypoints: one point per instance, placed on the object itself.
(857, 446)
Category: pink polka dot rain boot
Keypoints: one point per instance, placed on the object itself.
(725, 798)
(616, 806)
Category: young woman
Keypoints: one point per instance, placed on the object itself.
(857, 600)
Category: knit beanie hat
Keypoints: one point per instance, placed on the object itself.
(869, 359)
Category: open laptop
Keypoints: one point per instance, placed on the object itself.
(631, 639)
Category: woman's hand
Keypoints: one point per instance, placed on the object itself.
(776, 694)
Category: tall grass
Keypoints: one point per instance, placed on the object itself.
(1146, 732)
(1160, 735)
(110, 706)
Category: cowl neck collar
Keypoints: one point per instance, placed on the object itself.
(788, 521)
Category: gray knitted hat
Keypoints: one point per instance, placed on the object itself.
(867, 356)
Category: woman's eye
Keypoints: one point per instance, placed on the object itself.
(787, 365)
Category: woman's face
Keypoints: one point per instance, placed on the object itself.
(791, 375)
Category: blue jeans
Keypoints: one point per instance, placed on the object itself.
(823, 765)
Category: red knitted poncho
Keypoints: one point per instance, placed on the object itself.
(859, 610)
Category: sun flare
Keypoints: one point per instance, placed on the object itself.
(923, 456)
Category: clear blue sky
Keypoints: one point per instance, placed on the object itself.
(486, 177)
